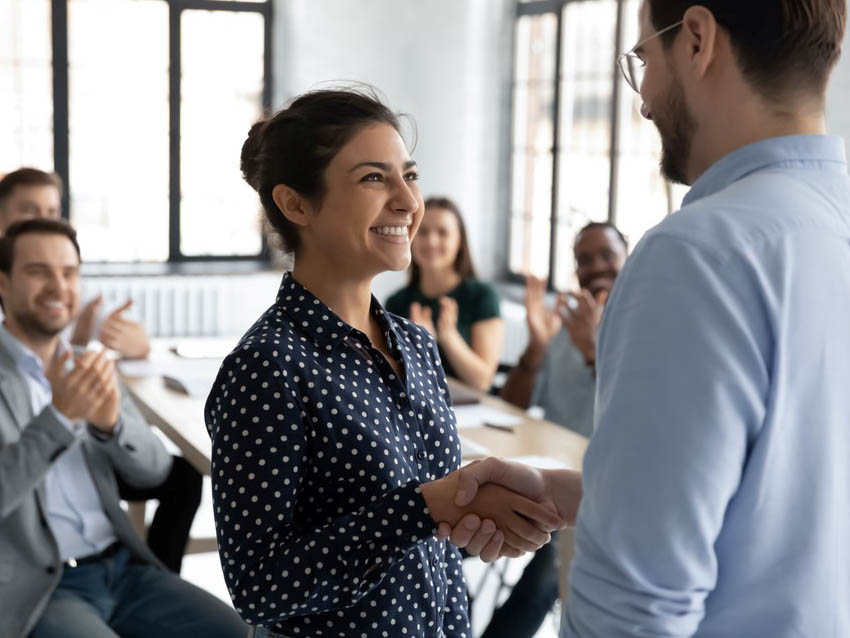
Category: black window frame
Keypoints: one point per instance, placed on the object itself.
(61, 145)
(556, 7)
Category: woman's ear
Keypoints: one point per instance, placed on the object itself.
(293, 206)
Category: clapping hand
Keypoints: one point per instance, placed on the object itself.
(422, 315)
(89, 391)
(127, 337)
(447, 321)
(543, 323)
(582, 319)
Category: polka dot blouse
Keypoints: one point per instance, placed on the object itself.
(319, 449)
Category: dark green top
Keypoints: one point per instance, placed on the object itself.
(476, 301)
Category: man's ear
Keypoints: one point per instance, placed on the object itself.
(292, 205)
(701, 34)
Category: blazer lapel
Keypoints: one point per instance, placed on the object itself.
(14, 391)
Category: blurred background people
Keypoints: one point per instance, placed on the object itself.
(30, 193)
(445, 297)
(556, 373)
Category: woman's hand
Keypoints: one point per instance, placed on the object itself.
(447, 322)
(422, 315)
(524, 523)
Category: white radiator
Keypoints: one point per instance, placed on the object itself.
(188, 306)
(516, 331)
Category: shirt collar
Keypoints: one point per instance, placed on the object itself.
(825, 152)
(24, 358)
(322, 324)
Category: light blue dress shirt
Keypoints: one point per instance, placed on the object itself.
(717, 482)
(74, 509)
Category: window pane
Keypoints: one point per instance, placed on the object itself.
(530, 244)
(26, 108)
(587, 69)
(221, 97)
(536, 40)
(643, 196)
(118, 100)
(533, 141)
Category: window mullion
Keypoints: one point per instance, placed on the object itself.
(615, 119)
(556, 150)
(61, 162)
(174, 11)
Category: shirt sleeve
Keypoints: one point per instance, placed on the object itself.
(682, 381)
(456, 619)
(260, 457)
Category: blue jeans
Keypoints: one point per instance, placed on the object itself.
(119, 596)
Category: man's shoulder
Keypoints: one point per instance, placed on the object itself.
(751, 214)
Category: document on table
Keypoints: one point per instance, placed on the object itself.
(472, 450)
(542, 462)
(191, 376)
(475, 416)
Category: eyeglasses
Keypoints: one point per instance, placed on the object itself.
(632, 64)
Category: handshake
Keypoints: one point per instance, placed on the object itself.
(495, 507)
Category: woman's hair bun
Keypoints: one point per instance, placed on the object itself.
(251, 151)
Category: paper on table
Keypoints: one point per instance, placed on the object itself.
(474, 416)
(472, 450)
(543, 462)
(195, 377)
(136, 367)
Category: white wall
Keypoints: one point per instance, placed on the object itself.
(446, 62)
(838, 97)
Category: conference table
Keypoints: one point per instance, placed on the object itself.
(170, 390)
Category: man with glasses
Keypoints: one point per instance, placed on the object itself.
(715, 498)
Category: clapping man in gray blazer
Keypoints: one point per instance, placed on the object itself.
(70, 563)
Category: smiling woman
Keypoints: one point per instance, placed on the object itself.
(333, 442)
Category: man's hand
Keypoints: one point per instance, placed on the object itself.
(422, 315)
(104, 415)
(561, 488)
(524, 523)
(80, 393)
(127, 337)
(582, 321)
(543, 323)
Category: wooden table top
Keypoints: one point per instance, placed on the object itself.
(181, 418)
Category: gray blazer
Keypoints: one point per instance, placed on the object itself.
(30, 567)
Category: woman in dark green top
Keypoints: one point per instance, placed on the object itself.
(444, 296)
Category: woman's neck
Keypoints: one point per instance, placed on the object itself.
(349, 298)
(434, 283)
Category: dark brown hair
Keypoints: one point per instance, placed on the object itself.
(783, 46)
(463, 261)
(39, 226)
(27, 177)
(296, 144)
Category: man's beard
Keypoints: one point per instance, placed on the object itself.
(31, 324)
(676, 126)
(585, 281)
